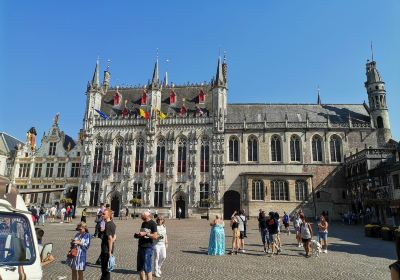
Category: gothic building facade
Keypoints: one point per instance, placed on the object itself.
(184, 146)
(50, 172)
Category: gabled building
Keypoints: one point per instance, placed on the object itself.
(184, 146)
(50, 172)
(8, 146)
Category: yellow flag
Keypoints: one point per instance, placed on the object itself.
(161, 115)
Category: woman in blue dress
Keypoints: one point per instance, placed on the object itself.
(216, 244)
(82, 242)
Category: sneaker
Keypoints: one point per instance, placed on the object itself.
(157, 275)
(269, 251)
(325, 251)
(300, 245)
(243, 250)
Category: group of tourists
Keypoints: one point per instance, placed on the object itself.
(42, 214)
(152, 240)
(269, 226)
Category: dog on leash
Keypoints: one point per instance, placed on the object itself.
(316, 248)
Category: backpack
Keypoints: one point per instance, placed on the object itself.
(286, 219)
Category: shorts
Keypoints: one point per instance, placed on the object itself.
(264, 236)
(241, 236)
(323, 235)
(306, 240)
(286, 225)
(297, 229)
(235, 232)
(273, 238)
(144, 255)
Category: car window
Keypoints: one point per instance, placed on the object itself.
(16, 240)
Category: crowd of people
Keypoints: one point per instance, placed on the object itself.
(42, 214)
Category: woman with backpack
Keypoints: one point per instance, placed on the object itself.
(306, 234)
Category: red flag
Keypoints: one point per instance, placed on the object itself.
(172, 98)
(201, 96)
(143, 100)
(116, 98)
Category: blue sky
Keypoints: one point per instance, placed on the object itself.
(278, 51)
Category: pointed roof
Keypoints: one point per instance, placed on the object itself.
(155, 82)
(8, 143)
(96, 78)
(219, 78)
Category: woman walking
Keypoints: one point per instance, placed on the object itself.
(216, 244)
(262, 226)
(306, 234)
(323, 233)
(84, 215)
(235, 234)
(81, 242)
(160, 247)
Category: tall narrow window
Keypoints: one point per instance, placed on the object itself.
(301, 190)
(52, 148)
(75, 169)
(158, 195)
(137, 190)
(295, 148)
(34, 196)
(317, 148)
(24, 170)
(38, 170)
(160, 157)
(49, 169)
(139, 156)
(204, 156)
(233, 149)
(118, 156)
(257, 191)
(98, 157)
(182, 156)
(252, 149)
(335, 149)
(61, 170)
(276, 154)
(279, 190)
(204, 194)
(46, 195)
(94, 194)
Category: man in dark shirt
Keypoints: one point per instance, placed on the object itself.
(107, 243)
(146, 235)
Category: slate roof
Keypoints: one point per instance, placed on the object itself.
(68, 139)
(8, 143)
(185, 95)
(338, 113)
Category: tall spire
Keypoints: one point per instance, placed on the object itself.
(155, 82)
(219, 78)
(96, 79)
(166, 79)
(319, 97)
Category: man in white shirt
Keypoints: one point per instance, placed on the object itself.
(53, 213)
(63, 210)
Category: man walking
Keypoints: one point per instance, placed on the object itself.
(179, 212)
(107, 244)
(146, 236)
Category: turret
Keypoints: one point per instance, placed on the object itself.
(219, 96)
(93, 95)
(154, 92)
(377, 101)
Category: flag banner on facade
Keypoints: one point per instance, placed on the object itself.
(161, 115)
(144, 114)
(103, 115)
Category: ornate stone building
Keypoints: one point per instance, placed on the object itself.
(185, 146)
(8, 146)
(46, 174)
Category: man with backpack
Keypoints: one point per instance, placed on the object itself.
(272, 226)
(286, 222)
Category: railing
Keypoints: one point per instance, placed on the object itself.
(370, 154)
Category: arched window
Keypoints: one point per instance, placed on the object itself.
(301, 190)
(257, 190)
(379, 122)
(118, 156)
(295, 148)
(335, 149)
(160, 157)
(317, 148)
(98, 156)
(276, 154)
(279, 190)
(204, 155)
(139, 156)
(233, 149)
(182, 155)
(252, 149)
(204, 194)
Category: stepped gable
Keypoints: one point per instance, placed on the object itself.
(133, 97)
(338, 113)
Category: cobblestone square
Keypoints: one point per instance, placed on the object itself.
(350, 256)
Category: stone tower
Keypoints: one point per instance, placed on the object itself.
(377, 102)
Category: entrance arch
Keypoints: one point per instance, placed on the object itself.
(231, 203)
(180, 202)
(115, 202)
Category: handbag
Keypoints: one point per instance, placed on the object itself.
(111, 263)
(72, 253)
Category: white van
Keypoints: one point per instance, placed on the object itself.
(19, 255)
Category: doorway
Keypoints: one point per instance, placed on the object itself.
(115, 205)
(180, 203)
(231, 203)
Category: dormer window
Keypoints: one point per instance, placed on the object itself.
(201, 97)
(52, 148)
(172, 98)
(143, 100)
